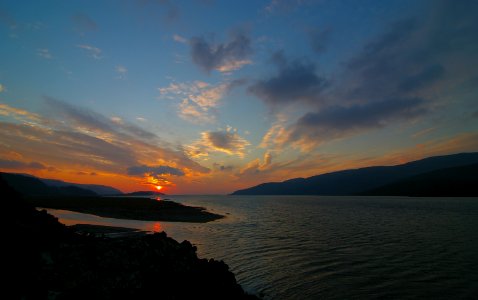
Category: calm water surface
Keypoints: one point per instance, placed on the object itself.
(309, 247)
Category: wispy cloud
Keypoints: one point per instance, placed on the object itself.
(45, 53)
(91, 140)
(198, 99)
(180, 39)
(223, 57)
(92, 51)
(122, 71)
(19, 114)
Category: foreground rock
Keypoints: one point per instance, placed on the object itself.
(47, 260)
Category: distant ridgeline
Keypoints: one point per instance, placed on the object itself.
(450, 175)
(29, 185)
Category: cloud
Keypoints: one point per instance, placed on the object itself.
(223, 57)
(414, 67)
(92, 51)
(256, 166)
(122, 71)
(45, 53)
(222, 168)
(87, 138)
(179, 39)
(295, 81)
(418, 56)
(2, 88)
(335, 122)
(225, 141)
(198, 99)
(81, 173)
(18, 114)
(19, 165)
(154, 170)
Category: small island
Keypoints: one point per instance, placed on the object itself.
(132, 208)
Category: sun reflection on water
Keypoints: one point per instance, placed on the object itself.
(157, 227)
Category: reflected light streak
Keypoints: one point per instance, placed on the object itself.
(157, 227)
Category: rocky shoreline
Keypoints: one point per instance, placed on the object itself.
(52, 261)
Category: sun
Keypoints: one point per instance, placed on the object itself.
(158, 187)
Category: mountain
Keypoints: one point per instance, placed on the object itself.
(458, 181)
(358, 181)
(101, 190)
(28, 185)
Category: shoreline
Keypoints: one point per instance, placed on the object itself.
(129, 208)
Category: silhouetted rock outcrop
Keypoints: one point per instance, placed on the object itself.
(47, 260)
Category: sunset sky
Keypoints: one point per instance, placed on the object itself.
(214, 96)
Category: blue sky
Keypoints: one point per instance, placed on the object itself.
(211, 96)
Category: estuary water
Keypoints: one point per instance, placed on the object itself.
(314, 247)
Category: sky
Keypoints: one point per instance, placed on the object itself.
(210, 96)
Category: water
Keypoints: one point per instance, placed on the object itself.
(309, 247)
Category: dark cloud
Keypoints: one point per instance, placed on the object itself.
(337, 122)
(223, 168)
(415, 55)
(81, 173)
(226, 141)
(295, 81)
(224, 57)
(15, 164)
(319, 39)
(401, 74)
(154, 170)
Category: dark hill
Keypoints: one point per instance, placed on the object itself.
(33, 187)
(101, 190)
(357, 181)
(456, 182)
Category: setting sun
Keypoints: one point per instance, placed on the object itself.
(158, 187)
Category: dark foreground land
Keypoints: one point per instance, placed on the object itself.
(133, 208)
(47, 260)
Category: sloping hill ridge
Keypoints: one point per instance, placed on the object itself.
(458, 181)
(34, 187)
(358, 181)
(101, 190)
